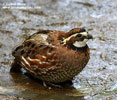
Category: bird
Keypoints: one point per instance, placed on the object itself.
(53, 56)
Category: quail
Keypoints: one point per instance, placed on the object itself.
(53, 56)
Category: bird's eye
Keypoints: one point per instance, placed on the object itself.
(79, 35)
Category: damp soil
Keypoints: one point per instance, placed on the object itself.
(98, 80)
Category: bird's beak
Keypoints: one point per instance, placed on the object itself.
(89, 36)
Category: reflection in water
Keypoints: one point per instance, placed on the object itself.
(4, 90)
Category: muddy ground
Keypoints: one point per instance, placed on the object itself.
(98, 81)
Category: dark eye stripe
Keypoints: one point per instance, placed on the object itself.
(79, 35)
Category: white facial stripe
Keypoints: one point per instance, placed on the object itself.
(67, 39)
(84, 33)
(80, 43)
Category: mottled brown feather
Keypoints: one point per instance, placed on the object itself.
(45, 57)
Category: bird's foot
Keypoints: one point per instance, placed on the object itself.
(50, 85)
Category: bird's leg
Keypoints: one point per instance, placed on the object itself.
(44, 84)
(55, 85)
(49, 85)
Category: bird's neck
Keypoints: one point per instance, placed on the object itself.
(79, 48)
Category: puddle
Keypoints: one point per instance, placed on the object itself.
(96, 81)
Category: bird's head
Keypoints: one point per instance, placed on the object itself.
(77, 37)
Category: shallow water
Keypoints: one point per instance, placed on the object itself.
(97, 81)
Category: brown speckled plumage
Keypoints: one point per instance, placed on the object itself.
(45, 56)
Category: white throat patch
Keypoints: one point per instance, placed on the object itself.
(80, 43)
